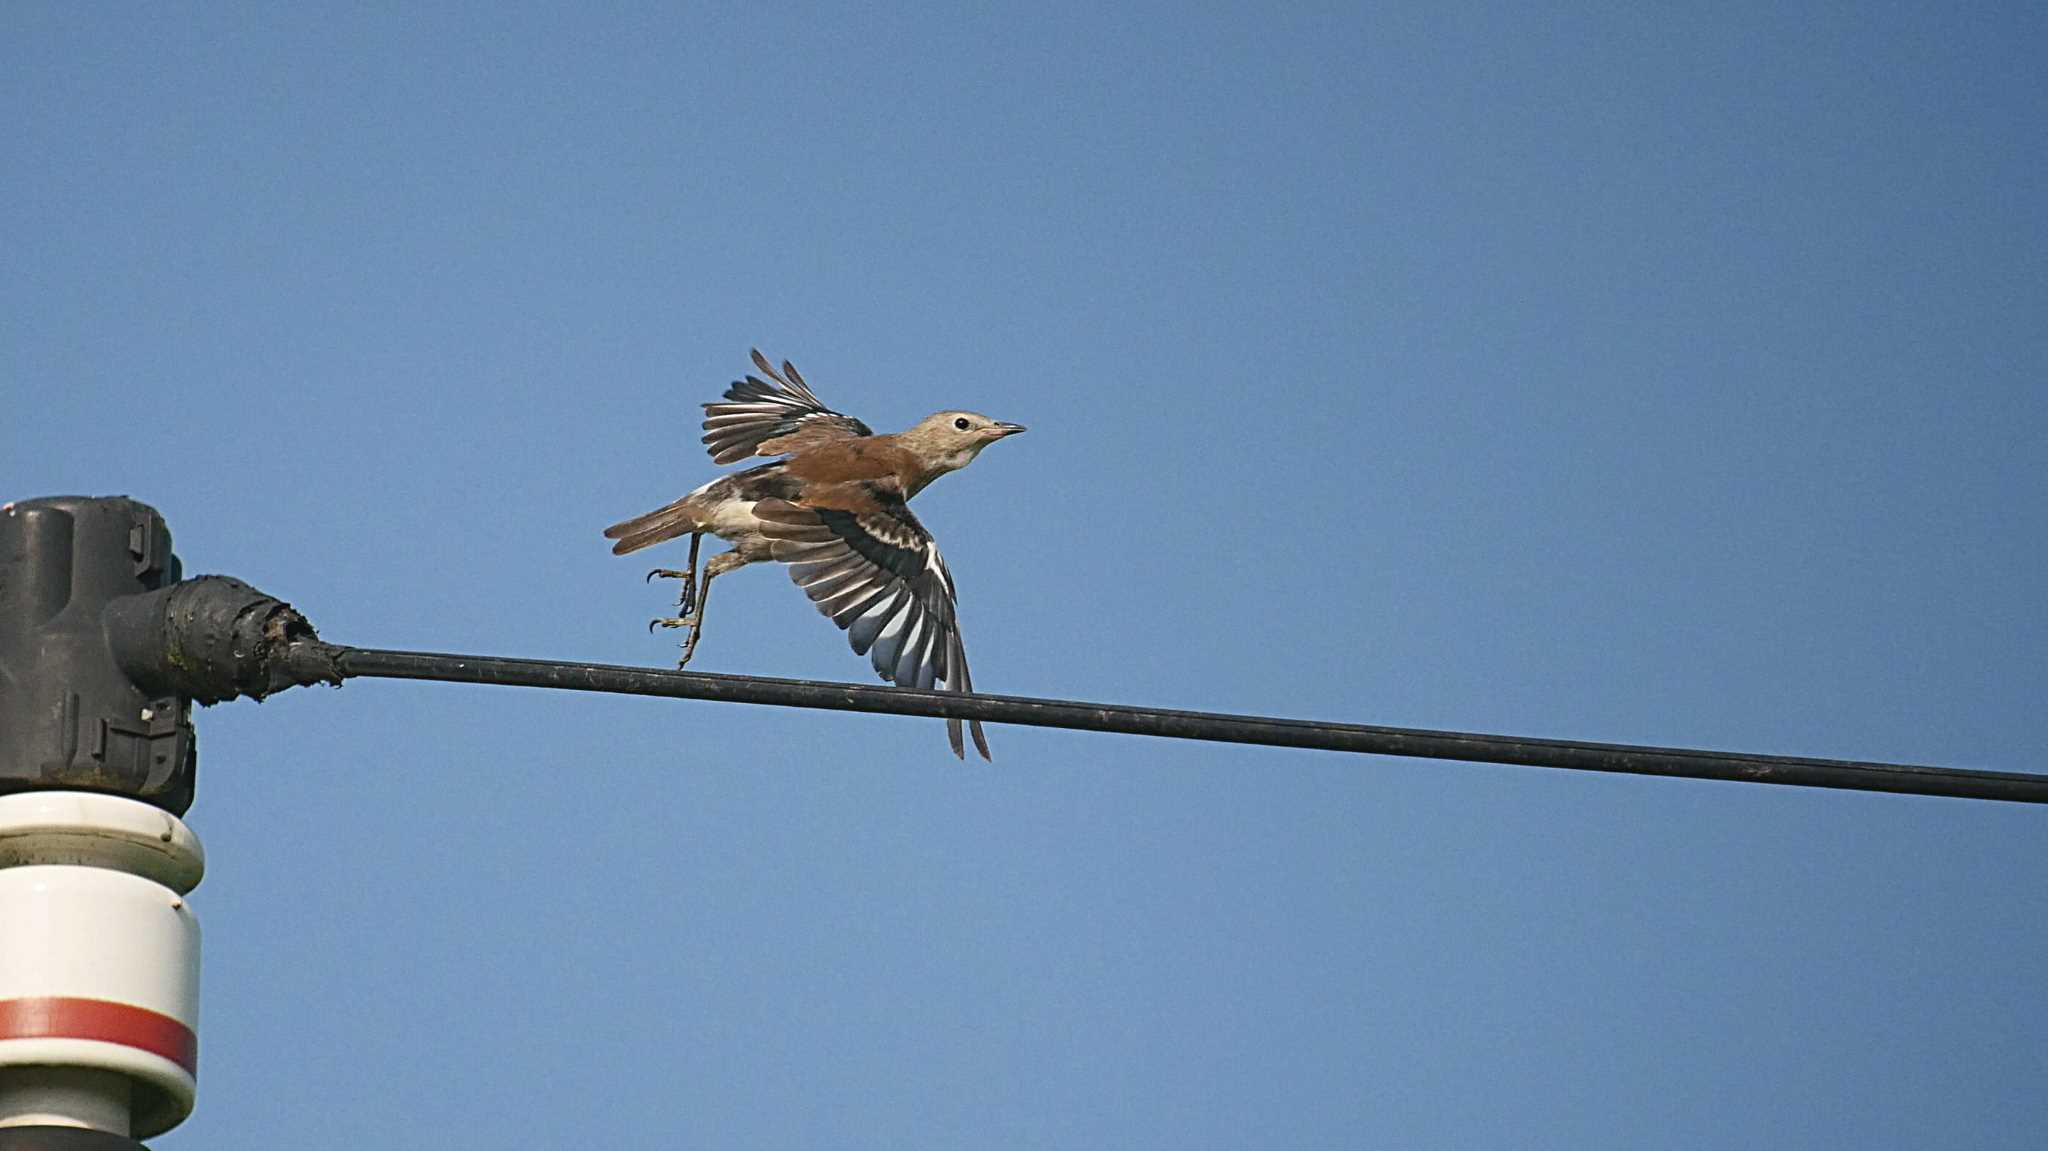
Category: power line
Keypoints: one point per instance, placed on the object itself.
(312, 660)
(138, 641)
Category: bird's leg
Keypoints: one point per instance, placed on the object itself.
(717, 565)
(688, 575)
(694, 620)
(687, 601)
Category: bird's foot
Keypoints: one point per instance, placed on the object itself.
(694, 623)
(686, 600)
(689, 648)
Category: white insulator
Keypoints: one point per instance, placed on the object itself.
(99, 963)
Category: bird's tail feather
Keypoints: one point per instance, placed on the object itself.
(658, 525)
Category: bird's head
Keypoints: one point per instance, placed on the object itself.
(949, 441)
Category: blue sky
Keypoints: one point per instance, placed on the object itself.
(1618, 374)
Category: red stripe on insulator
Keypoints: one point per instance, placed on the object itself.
(64, 1017)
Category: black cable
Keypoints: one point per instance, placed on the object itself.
(314, 661)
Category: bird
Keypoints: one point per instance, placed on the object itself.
(834, 507)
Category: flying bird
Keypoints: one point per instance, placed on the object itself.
(835, 508)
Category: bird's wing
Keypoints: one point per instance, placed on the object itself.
(877, 573)
(763, 418)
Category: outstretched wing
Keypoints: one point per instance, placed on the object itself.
(876, 572)
(759, 418)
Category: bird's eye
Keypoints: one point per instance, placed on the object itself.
(961, 423)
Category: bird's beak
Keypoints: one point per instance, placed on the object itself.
(1002, 429)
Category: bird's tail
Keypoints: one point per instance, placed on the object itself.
(658, 525)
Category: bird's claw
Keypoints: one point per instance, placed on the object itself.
(686, 601)
(689, 609)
